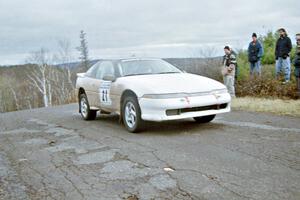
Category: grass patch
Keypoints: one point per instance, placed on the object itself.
(276, 106)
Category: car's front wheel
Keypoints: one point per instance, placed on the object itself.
(85, 111)
(204, 119)
(131, 114)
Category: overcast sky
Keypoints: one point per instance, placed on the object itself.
(154, 28)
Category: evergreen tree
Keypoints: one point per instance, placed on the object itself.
(269, 43)
(83, 49)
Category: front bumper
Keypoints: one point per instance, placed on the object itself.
(186, 107)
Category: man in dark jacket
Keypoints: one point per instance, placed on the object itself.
(282, 54)
(255, 52)
(297, 63)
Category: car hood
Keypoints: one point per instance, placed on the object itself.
(171, 83)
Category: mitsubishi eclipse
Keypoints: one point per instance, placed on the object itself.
(142, 89)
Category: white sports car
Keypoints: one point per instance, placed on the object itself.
(141, 89)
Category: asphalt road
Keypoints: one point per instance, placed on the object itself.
(52, 153)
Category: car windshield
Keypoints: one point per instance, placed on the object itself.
(144, 67)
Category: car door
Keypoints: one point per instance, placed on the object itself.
(90, 85)
(103, 87)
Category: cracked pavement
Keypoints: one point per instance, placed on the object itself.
(51, 153)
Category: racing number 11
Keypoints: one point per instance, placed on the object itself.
(104, 96)
(104, 92)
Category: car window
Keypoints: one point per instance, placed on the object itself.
(92, 71)
(106, 68)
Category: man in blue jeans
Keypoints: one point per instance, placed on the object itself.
(255, 52)
(282, 54)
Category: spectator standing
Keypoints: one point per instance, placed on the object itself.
(255, 52)
(228, 70)
(297, 63)
(282, 54)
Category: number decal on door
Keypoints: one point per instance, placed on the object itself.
(104, 92)
(104, 95)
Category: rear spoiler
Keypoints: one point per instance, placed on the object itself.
(80, 75)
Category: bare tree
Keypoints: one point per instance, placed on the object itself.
(65, 58)
(1, 102)
(15, 97)
(40, 83)
(206, 63)
(2, 88)
(10, 95)
(64, 51)
(83, 49)
(66, 75)
(38, 77)
(57, 87)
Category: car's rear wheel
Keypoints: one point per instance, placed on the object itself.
(85, 111)
(131, 114)
(204, 119)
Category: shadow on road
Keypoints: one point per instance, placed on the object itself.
(177, 127)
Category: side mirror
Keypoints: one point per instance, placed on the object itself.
(111, 78)
(80, 75)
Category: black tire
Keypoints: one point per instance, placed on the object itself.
(136, 121)
(84, 108)
(204, 119)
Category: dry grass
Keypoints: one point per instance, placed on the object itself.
(276, 106)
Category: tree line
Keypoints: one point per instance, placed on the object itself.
(41, 82)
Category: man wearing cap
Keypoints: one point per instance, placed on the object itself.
(228, 70)
(255, 52)
(282, 54)
(297, 63)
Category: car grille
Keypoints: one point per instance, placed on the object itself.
(195, 109)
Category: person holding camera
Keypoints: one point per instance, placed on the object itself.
(282, 54)
(228, 70)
